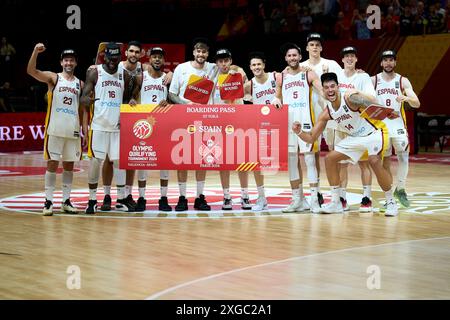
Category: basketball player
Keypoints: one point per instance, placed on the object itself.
(393, 90)
(294, 88)
(224, 63)
(319, 65)
(351, 79)
(153, 91)
(200, 67)
(62, 125)
(262, 89)
(132, 66)
(363, 135)
(107, 83)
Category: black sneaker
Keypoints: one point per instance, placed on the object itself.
(320, 198)
(141, 204)
(48, 208)
(245, 204)
(92, 207)
(164, 204)
(201, 204)
(130, 201)
(106, 206)
(182, 204)
(124, 205)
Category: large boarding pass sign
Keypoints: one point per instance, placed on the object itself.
(204, 137)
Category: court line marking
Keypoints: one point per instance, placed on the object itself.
(217, 275)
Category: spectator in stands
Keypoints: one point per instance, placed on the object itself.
(341, 28)
(359, 20)
(420, 21)
(277, 18)
(316, 7)
(5, 92)
(406, 21)
(292, 11)
(7, 53)
(436, 20)
(305, 20)
(389, 27)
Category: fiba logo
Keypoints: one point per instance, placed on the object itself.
(142, 129)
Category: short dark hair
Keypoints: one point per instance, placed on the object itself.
(289, 45)
(257, 55)
(200, 42)
(134, 43)
(329, 76)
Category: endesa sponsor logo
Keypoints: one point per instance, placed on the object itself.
(67, 111)
(110, 104)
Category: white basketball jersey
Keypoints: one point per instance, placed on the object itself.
(387, 92)
(134, 72)
(358, 81)
(350, 121)
(263, 93)
(62, 118)
(297, 94)
(182, 74)
(153, 91)
(109, 92)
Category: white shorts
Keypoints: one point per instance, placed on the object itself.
(400, 143)
(163, 175)
(354, 147)
(296, 144)
(102, 143)
(62, 149)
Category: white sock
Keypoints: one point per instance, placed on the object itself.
(226, 193)
(389, 196)
(261, 192)
(92, 194)
(335, 193)
(200, 187)
(107, 190)
(367, 191)
(295, 193)
(343, 192)
(300, 190)
(163, 191)
(128, 190)
(142, 192)
(121, 192)
(50, 181)
(402, 171)
(313, 192)
(244, 193)
(318, 184)
(67, 178)
(182, 187)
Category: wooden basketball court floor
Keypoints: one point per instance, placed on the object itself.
(217, 256)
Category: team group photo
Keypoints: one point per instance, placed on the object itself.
(269, 150)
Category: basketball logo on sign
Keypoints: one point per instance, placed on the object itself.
(142, 129)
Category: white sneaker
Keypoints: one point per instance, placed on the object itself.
(391, 209)
(48, 208)
(245, 204)
(227, 204)
(295, 206)
(68, 207)
(261, 204)
(314, 205)
(333, 207)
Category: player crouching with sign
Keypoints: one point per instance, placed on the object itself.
(363, 135)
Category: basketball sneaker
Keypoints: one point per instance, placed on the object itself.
(141, 204)
(400, 194)
(261, 204)
(48, 208)
(344, 204)
(245, 204)
(296, 205)
(383, 207)
(130, 201)
(366, 205)
(391, 209)
(106, 205)
(163, 204)
(314, 205)
(92, 207)
(227, 204)
(124, 205)
(201, 204)
(67, 207)
(182, 204)
(333, 207)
